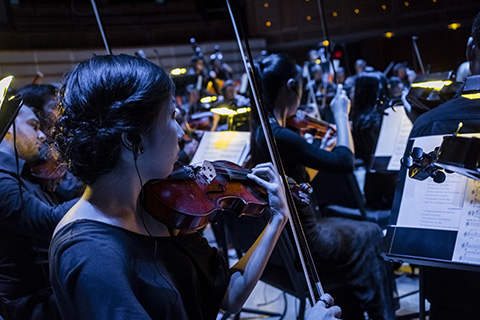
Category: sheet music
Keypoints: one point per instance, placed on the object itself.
(232, 146)
(467, 245)
(403, 131)
(394, 132)
(452, 205)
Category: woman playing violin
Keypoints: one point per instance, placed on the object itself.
(109, 258)
(344, 251)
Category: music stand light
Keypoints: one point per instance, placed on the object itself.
(8, 107)
(224, 110)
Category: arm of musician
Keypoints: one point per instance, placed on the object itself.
(247, 271)
(341, 107)
(28, 214)
(320, 312)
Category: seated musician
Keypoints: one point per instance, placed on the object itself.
(453, 294)
(41, 98)
(28, 216)
(109, 258)
(219, 69)
(344, 251)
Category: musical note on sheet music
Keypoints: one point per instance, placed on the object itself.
(467, 247)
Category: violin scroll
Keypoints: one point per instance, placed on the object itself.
(421, 165)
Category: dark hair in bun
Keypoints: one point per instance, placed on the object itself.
(102, 98)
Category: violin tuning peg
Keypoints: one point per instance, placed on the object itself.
(439, 176)
(417, 153)
(407, 161)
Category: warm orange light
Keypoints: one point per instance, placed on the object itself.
(325, 43)
(434, 1)
(334, 14)
(266, 4)
(268, 23)
(357, 11)
(309, 18)
(384, 7)
(406, 3)
(388, 35)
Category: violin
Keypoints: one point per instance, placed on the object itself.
(306, 124)
(200, 121)
(190, 197)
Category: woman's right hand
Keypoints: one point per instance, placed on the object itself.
(320, 311)
(340, 104)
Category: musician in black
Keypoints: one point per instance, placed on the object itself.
(453, 294)
(28, 216)
(345, 251)
(109, 258)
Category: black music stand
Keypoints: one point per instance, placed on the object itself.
(425, 242)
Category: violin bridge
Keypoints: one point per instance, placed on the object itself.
(208, 171)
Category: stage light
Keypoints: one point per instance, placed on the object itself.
(388, 35)
(454, 26)
(384, 7)
(178, 71)
(243, 110)
(326, 43)
(335, 14)
(266, 4)
(4, 84)
(471, 96)
(309, 18)
(224, 111)
(208, 99)
(357, 11)
(435, 85)
(268, 23)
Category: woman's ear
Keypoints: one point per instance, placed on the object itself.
(292, 85)
(133, 141)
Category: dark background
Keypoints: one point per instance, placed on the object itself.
(295, 26)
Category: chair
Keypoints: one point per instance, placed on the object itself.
(339, 195)
(283, 270)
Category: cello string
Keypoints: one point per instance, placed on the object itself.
(302, 247)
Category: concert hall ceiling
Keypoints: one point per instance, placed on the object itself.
(381, 29)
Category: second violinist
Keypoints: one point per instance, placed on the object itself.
(344, 251)
(109, 258)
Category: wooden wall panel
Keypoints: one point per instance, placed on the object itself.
(23, 65)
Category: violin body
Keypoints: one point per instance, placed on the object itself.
(190, 197)
(306, 124)
(189, 200)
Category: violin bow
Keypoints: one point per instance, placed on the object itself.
(311, 275)
(417, 53)
(100, 26)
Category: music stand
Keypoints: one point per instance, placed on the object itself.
(9, 107)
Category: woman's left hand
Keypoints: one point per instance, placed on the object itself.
(266, 176)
